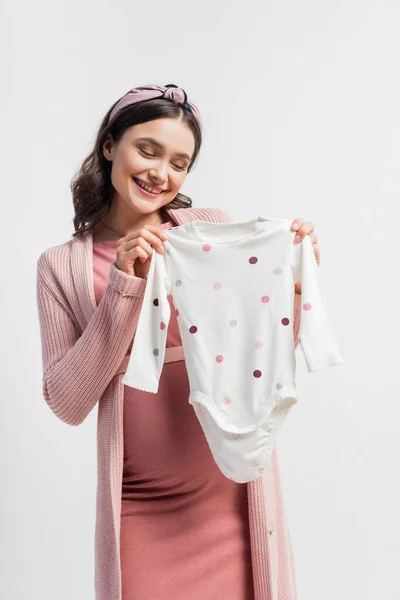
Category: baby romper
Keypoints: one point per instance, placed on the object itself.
(184, 526)
(233, 290)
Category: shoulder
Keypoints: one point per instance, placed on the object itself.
(54, 254)
(53, 264)
(185, 215)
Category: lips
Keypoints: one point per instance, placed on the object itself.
(140, 184)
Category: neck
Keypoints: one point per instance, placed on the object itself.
(122, 228)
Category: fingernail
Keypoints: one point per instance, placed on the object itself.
(297, 239)
(296, 226)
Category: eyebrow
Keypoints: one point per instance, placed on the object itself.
(155, 143)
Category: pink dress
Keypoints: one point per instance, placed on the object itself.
(184, 526)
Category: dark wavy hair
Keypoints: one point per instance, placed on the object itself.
(91, 187)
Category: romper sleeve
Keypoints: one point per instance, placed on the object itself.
(148, 348)
(315, 334)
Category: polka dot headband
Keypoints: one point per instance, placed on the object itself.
(148, 92)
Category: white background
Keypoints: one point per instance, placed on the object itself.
(300, 102)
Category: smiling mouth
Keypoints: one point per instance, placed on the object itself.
(139, 184)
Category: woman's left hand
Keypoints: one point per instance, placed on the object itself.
(304, 228)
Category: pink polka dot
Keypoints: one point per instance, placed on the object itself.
(219, 358)
(258, 345)
(285, 321)
(217, 287)
(307, 306)
(193, 329)
(253, 260)
(177, 312)
(206, 247)
(257, 373)
(227, 400)
(265, 299)
(162, 325)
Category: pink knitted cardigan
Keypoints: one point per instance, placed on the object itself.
(84, 354)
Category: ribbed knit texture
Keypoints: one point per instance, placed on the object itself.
(83, 350)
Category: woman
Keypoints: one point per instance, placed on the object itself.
(169, 525)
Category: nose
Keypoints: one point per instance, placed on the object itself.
(159, 174)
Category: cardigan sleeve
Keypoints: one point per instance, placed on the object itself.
(148, 349)
(78, 366)
(314, 331)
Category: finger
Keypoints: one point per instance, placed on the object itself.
(317, 253)
(304, 230)
(157, 231)
(142, 243)
(297, 223)
(151, 233)
(155, 238)
(148, 237)
(313, 237)
(140, 254)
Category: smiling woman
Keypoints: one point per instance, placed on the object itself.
(169, 524)
(152, 143)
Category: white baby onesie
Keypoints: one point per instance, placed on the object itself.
(232, 286)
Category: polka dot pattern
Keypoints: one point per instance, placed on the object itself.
(155, 302)
(156, 352)
(265, 299)
(168, 252)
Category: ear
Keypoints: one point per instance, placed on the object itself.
(108, 148)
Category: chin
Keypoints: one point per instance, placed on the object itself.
(145, 207)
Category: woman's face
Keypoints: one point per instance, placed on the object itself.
(160, 164)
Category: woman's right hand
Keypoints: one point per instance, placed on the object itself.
(134, 251)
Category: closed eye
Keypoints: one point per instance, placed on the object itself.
(152, 155)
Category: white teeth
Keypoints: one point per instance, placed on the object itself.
(147, 188)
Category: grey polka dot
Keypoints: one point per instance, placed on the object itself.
(277, 271)
(156, 352)
(178, 282)
(168, 252)
(261, 470)
(233, 323)
(279, 386)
